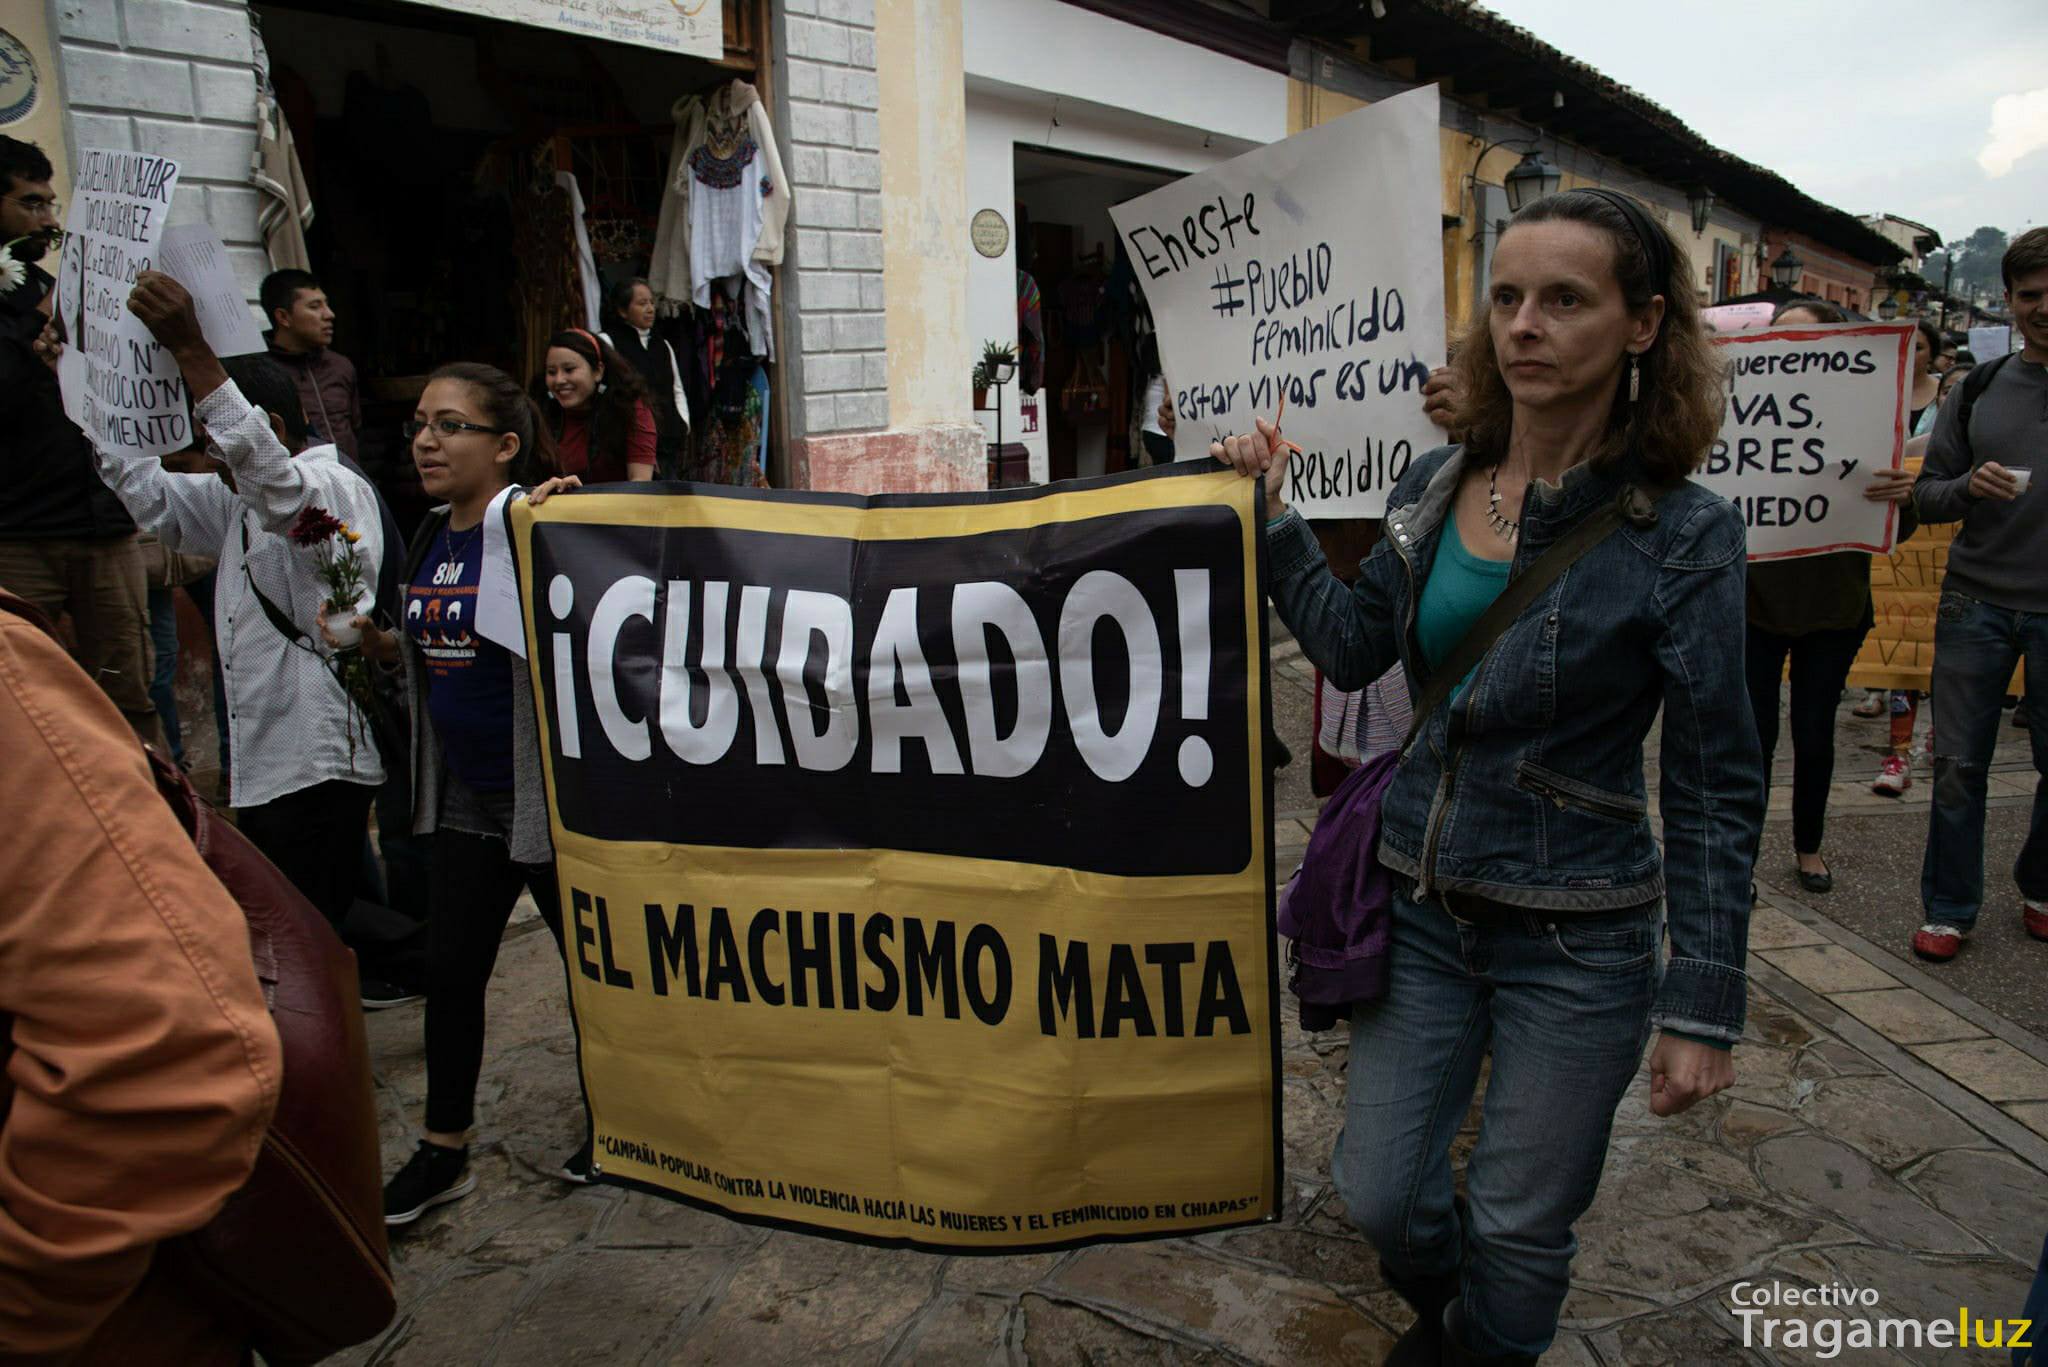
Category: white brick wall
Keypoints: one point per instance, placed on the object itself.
(825, 67)
(174, 77)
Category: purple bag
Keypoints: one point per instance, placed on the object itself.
(1337, 912)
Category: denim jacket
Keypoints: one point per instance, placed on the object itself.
(1527, 786)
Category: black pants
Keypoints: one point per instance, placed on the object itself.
(315, 837)
(1820, 666)
(472, 886)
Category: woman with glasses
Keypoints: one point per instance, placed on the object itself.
(477, 785)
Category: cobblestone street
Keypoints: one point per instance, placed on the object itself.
(1887, 1131)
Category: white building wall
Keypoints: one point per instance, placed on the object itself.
(837, 366)
(174, 78)
(1042, 73)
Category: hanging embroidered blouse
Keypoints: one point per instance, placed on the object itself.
(730, 180)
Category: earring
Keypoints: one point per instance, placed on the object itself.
(1635, 377)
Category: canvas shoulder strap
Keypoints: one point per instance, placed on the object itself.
(1515, 599)
(1974, 384)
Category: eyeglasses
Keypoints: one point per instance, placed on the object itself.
(446, 427)
(35, 204)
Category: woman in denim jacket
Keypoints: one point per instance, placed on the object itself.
(1530, 895)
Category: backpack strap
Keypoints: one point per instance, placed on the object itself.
(1974, 384)
(1631, 504)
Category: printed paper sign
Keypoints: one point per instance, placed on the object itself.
(1309, 271)
(1988, 344)
(193, 255)
(120, 387)
(1813, 413)
(842, 792)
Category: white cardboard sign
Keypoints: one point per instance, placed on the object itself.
(1813, 413)
(120, 387)
(1310, 271)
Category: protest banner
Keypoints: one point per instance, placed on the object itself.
(915, 851)
(1307, 272)
(120, 387)
(1813, 412)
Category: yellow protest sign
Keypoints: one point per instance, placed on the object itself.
(1905, 591)
(915, 852)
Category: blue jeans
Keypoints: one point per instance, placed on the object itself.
(1564, 1007)
(1976, 647)
(163, 639)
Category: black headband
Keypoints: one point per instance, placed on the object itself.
(1656, 247)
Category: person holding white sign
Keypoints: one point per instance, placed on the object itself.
(1816, 612)
(1530, 896)
(66, 544)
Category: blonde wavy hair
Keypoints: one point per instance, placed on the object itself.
(1676, 419)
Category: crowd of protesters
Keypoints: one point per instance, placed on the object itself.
(1586, 382)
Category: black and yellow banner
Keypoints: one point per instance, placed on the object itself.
(915, 851)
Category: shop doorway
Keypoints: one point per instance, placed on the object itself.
(1094, 335)
(432, 143)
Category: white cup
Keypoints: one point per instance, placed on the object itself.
(2021, 475)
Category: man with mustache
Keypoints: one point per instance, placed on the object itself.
(66, 543)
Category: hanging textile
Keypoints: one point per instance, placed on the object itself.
(723, 215)
(586, 263)
(548, 287)
(736, 440)
(1030, 335)
(286, 207)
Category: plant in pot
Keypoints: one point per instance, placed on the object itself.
(997, 365)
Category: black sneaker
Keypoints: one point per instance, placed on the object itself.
(577, 1166)
(378, 994)
(432, 1176)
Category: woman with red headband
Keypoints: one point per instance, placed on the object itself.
(597, 409)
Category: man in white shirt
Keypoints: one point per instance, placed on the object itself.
(304, 766)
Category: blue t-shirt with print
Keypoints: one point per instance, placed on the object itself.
(469, 679)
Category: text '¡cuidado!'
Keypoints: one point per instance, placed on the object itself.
(796, 655)
(715, 686)
(937, 968)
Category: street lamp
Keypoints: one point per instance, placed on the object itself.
(1701, 201)
(1887, 308)
(1532, 179)
(1788, 269)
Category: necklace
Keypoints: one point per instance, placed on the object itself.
(1505, 527)
(451, 558)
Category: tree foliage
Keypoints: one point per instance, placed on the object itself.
(1977, 258)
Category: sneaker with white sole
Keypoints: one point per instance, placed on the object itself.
(1873, 704)
(1938, 942)
(433, 1176)
(1894, 777)
(577, 1166)
(379, 995)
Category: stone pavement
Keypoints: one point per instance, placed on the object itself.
(1885, 1132)
(1873, 1139)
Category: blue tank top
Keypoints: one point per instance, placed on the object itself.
(1460, 587)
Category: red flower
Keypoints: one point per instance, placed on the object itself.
(314, 526)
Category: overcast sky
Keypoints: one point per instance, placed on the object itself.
(1936, 110)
